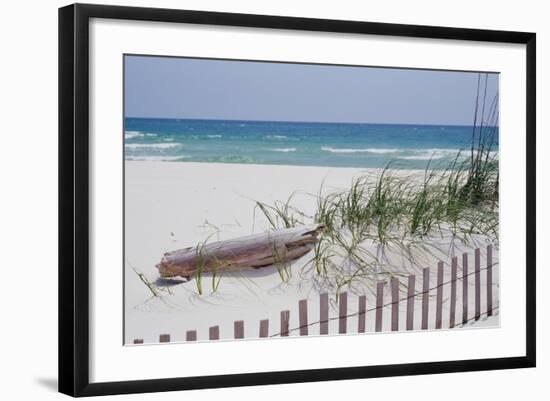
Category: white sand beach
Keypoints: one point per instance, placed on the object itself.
(174, 205)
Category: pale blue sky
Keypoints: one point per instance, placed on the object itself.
(164, 87)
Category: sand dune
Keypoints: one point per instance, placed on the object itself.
(170, 206)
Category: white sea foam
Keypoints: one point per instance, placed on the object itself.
(426, 156)
(381, 150)
(409, 153)
(152, 145)
(353, 150)
(132, 134)
(429, 154)
(285, 150)
(405, 153)
(440, 150)
(137, 134)
(276, 136)
(156, 158)
(214, 136)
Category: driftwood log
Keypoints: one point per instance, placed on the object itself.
(279, 246)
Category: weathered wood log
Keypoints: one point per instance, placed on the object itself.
(279, 246)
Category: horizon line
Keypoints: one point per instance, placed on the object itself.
(305, 122)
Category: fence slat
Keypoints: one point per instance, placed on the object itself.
(425, 297)
(342, 313)
(464, 288)
(394, 283)
(323, 312)
(489, 280)
(302, 314)
(452, 314)
(410, 301)
(164, 338)
(238, 328)
(191, 335)
(439, 297)
(477, 284)
(138, 341)
(285, 319)
(379, 305)
(264, 328)
(214, 333)
(361, 318)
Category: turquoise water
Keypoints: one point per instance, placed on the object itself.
(292, 143)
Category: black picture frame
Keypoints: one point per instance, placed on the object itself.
(74, 197)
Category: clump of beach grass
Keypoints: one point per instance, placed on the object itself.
(201, 263)
(155, 290)
(400, 212)
(281, 214)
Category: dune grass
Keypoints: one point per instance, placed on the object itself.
(396, 212)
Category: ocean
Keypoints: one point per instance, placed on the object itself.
(295, 143)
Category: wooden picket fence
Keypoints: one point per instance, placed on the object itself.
(397, 301)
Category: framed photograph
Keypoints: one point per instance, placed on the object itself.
(251, 199)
